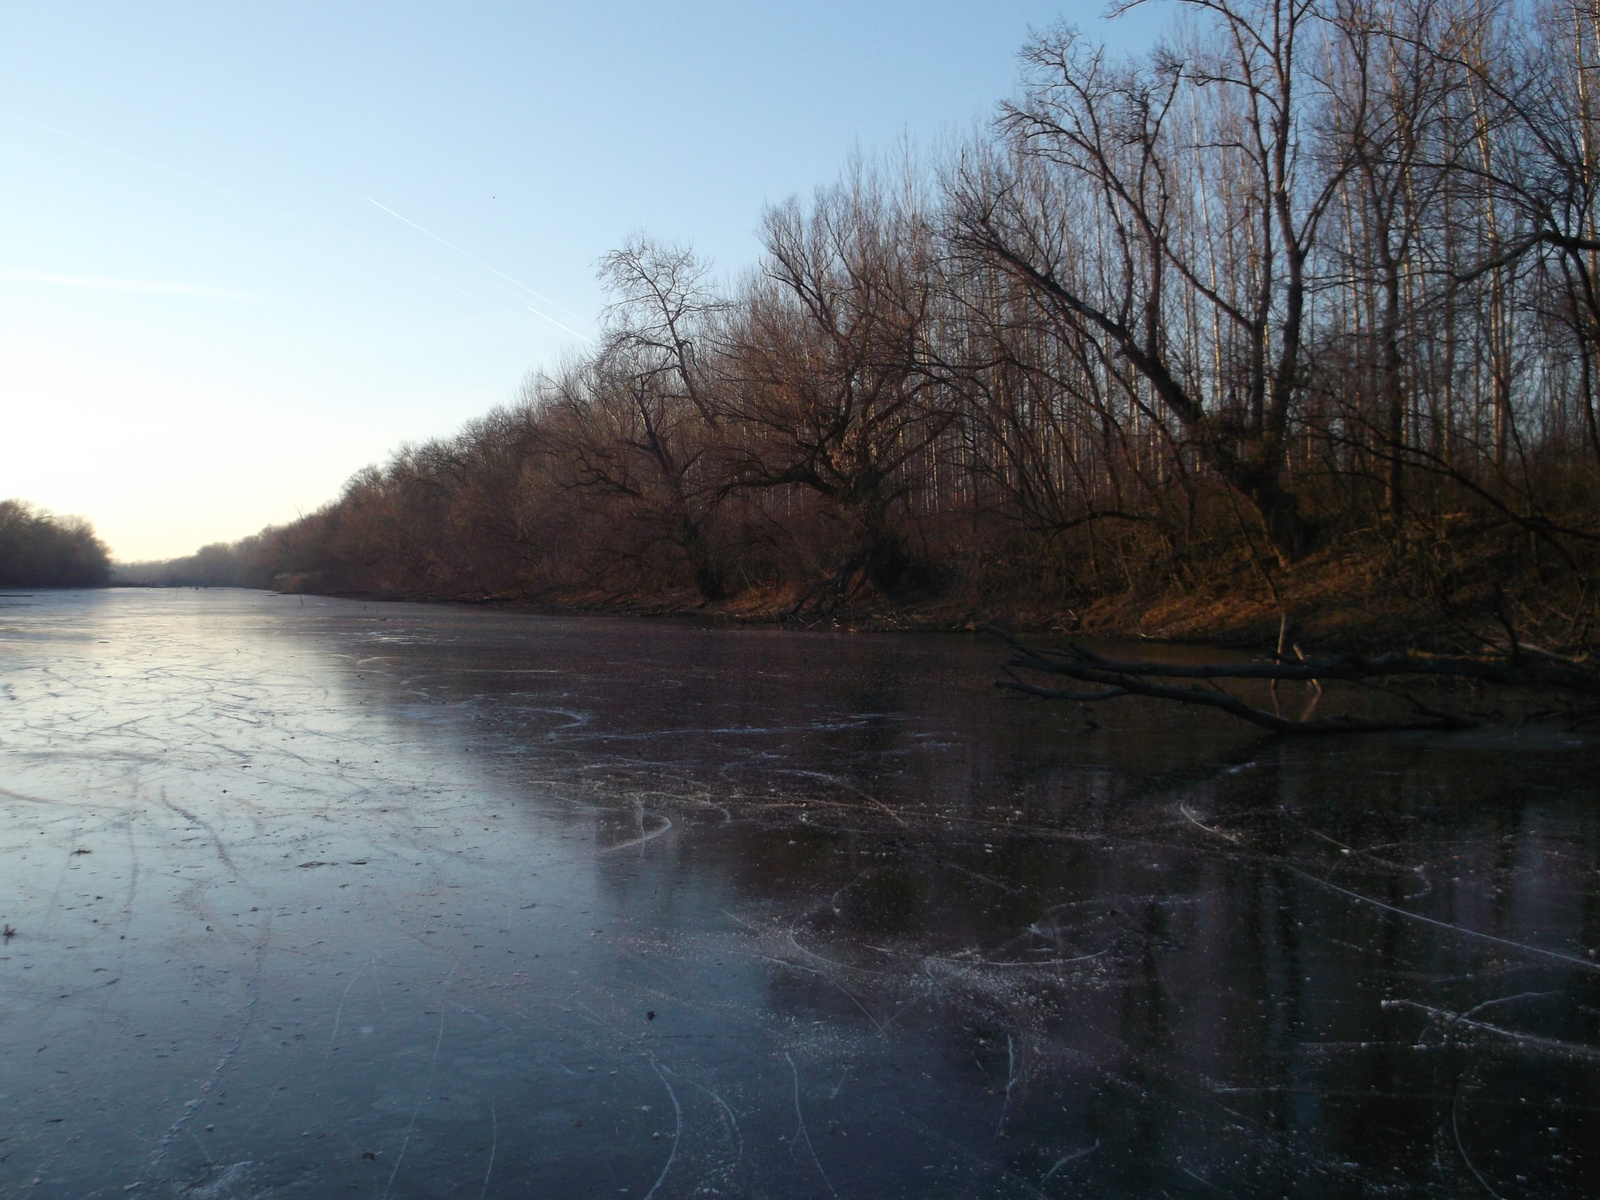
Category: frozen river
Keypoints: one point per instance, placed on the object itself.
(310, 897)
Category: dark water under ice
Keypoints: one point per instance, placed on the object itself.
(317, 898)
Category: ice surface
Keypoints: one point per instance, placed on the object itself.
(310, 897)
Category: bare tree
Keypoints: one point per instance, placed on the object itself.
(1167, 211)
(834, 389)
(639, 420)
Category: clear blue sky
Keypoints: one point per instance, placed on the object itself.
(207, 325)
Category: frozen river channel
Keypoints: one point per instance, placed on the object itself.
(311, 897)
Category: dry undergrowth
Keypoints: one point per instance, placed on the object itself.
(1455, 589)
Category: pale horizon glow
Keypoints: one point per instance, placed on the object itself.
(251, 249)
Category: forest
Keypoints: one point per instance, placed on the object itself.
(39, 549)
(1299, 311)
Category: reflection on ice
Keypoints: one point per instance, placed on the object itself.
(313, 897)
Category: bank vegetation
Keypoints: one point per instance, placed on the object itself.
(40, 549)
(1299, 311)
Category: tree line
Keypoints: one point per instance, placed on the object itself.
(1313, 278)
(39, 549)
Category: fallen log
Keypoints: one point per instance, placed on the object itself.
(1114, 678)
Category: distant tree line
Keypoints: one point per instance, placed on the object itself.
(38, 549)
(245, 563)
(1314, 274)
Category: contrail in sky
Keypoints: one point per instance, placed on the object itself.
(220, 293)
(487, 267)
(150, 164)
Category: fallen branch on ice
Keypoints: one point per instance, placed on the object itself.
(1114, 678)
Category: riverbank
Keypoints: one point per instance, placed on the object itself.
(1454, 592)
